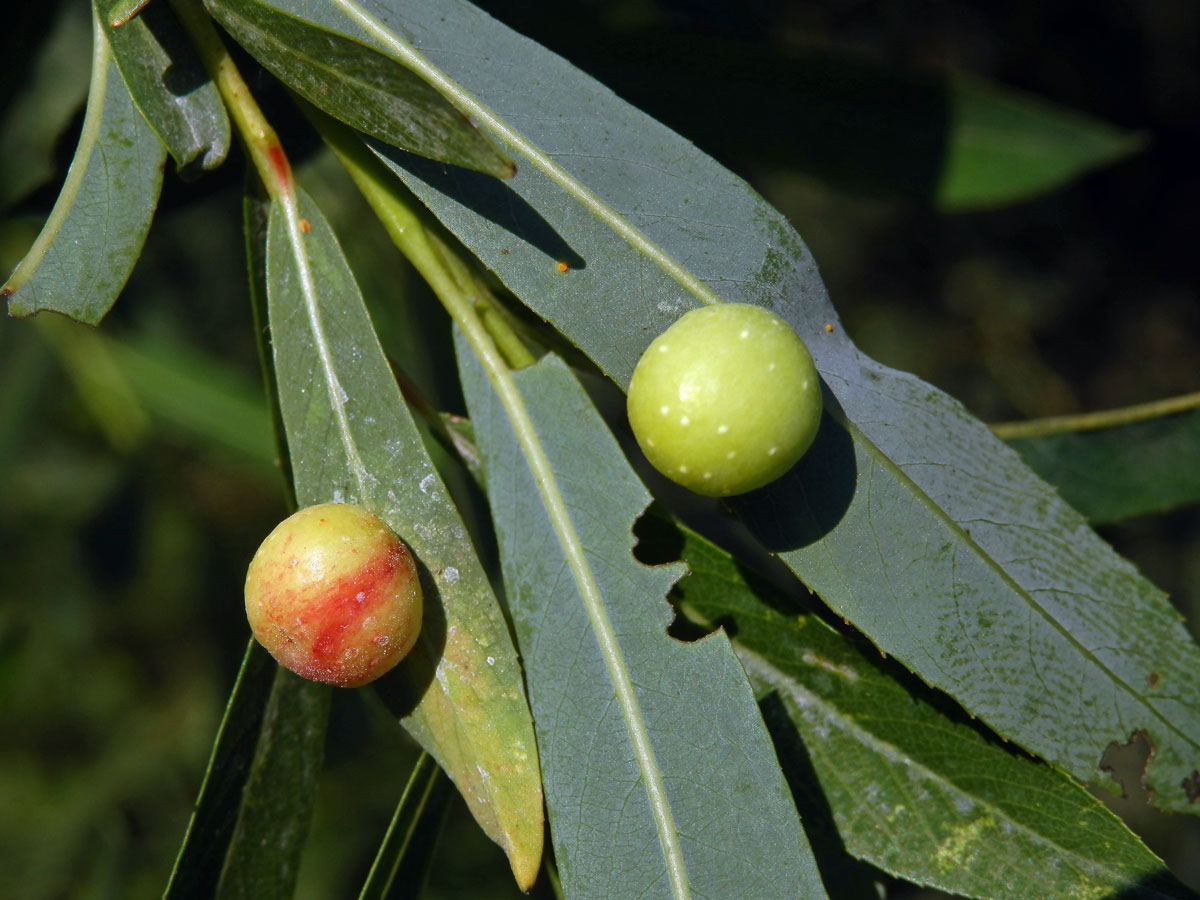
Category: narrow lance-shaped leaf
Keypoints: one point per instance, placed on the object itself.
(1116, 473)
(170, 87)
(198, 865)
(1003, 146)
(251, 818)
(263, 858)
(94, 235)
(351, 439)
(358, 85)
(660, 777)
(914, 789)
(908, 516)
(422, 802)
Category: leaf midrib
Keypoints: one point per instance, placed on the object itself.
(289, 206)
(540, 467)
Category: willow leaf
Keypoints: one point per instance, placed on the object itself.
(358, 85)
(351, 439)
(170, 87)
(94, 234)
(660, 777)
(913, 787)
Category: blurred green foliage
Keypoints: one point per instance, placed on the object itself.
(126, 526)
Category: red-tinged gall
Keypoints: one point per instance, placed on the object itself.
(725, 400)
(333, 595)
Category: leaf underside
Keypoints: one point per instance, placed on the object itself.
(87, 249)
(737, 828)
(169, 86)
(264, 853)
(198, 866)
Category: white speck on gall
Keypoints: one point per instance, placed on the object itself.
(737, 424)
(333, 594)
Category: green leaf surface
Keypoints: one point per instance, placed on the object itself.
(358, 85)
(351, 439)
(913, 787)
(263, 859)
(94, 235)
(726, 826)
(121, 11)
(1006, 146)
(908, 516)
(1109, 474)
(198, 865)
(170, 87)
(421, 796)
(34, 119)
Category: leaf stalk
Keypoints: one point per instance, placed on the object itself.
(1093, 421)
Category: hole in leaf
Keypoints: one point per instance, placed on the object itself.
(1126, 764)
(658, 541)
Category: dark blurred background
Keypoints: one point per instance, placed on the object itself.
(135, 467)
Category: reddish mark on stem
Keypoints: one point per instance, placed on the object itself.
(283, 172)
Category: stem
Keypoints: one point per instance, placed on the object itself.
(432, 253)
(262, 144)
(516, 354)
(273, 168)
(466, 103)
(409, 234)
(1105, 418)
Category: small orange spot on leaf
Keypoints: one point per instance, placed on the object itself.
(304, 226)
(828, 327)
(562, 267)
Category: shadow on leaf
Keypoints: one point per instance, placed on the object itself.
(488, 197)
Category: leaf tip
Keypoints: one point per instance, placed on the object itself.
(525, 865)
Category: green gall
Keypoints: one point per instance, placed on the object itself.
(333, 595)
(725, 400)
